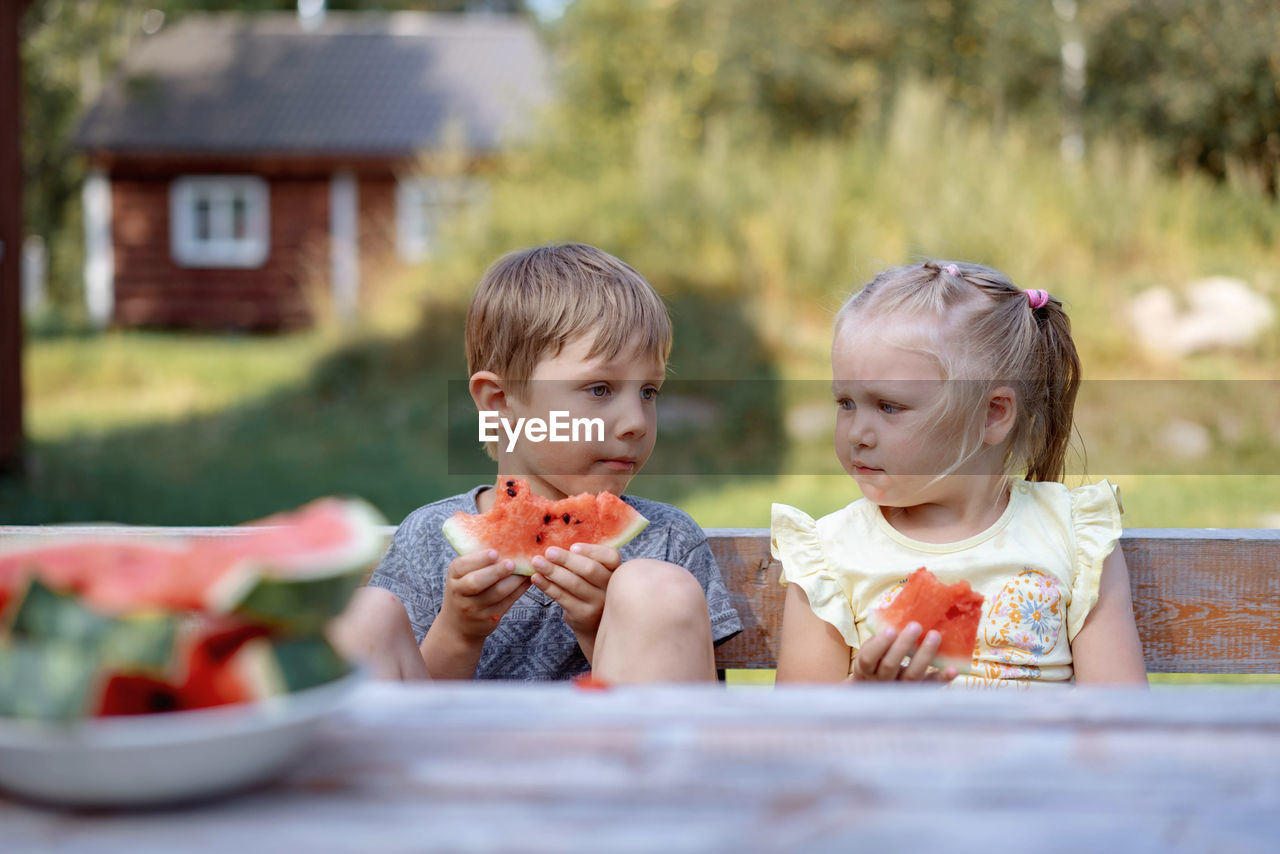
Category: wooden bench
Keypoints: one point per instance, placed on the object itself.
(1206, 600)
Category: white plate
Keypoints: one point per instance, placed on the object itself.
(142, 760)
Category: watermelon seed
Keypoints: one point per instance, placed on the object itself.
(511, 483)
(566, 518)
(538, 539)
(511, 492)
(546, 519)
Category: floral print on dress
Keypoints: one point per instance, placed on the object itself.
(889, 595)
(1022, 625)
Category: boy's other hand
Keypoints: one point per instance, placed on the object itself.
(576, 579)
(478, 590)
(880, 658)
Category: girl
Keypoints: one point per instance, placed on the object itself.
(949, 380)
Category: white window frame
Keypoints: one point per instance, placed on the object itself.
(423, 205)
(220, 248)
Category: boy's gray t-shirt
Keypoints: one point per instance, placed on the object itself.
(533, 642)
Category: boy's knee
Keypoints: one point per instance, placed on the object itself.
(654, 589)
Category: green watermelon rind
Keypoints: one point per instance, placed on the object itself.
(296, 606)
(307, 592)
(46, 679)
(272, 667)
(464, 542)
(139, 641)
(877, 623)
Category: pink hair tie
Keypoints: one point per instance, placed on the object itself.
(1037, 298)
(951, 270)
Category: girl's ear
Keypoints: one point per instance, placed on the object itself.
(1002, 411)
(487, 392)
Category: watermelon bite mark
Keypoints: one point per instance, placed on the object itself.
(522, 525)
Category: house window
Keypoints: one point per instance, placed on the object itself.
(423, 206)
(219, 221)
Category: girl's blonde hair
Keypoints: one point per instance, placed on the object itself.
(986, 332)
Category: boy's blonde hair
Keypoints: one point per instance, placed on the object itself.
(532, 301)
(984, 332)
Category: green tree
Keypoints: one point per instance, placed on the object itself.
(1202, 81)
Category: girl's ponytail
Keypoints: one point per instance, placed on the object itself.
(1059, 381)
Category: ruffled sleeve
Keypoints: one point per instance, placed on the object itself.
(796, 543)
(1095, 523)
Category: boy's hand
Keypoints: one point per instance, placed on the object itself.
(478, 590)
(880, 658)
(576, 579)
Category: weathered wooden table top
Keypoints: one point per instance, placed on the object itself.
(515, 768)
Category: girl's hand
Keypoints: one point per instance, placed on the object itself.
(880, 658)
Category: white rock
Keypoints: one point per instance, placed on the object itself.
(1221, 312)
(811, 421)
(1185, 439)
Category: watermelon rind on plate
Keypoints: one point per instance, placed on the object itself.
(308, 584)
(118, 622)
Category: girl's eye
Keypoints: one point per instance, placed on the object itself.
(600, 390)
(649, 393)
(889, 408)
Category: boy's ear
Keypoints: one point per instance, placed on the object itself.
(1002, 412)
(487, 392)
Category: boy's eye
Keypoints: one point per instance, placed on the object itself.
(844, 403)
(649, 393)
(599, 390)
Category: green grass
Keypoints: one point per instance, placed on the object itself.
(754, 247)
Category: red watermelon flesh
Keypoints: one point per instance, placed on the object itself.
(115, 573)
(134, 694)
(521, 525)
(322, 538)
(203, 679)
(110, 573)
(952, 610)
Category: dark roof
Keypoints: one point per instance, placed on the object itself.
(360, 84)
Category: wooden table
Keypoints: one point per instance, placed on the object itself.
(510, 768)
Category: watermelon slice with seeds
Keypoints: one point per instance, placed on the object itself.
(522, 525)
(110, 622)
(952, 610)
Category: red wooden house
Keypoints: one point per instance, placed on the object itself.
(241, 165)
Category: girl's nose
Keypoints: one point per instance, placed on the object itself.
(860, 433)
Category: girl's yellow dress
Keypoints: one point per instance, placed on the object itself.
(1037, 568)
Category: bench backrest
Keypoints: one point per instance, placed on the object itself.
(1206, 600)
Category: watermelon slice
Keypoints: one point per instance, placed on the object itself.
(111, 572)
(225, 665)
(952, 610)
(521, 525)
(302, 565)
(110, 623)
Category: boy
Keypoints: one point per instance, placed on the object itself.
(568, 329)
